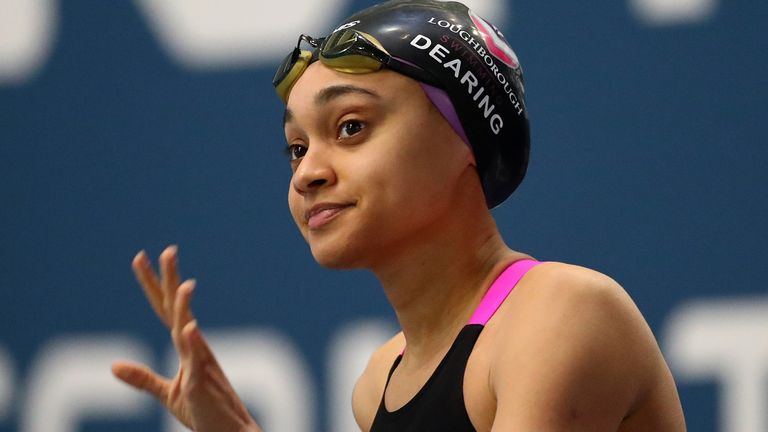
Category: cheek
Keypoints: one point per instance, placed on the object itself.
(402, 181)
(386, 177)
(425, 163)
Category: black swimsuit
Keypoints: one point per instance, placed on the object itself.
(439, 405)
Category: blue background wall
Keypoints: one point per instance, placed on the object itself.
(649, 164)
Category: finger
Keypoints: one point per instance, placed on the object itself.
(205, 370)
(187, 359)
(199, 351)
(149, 282)
(182, 314)
(169, 278)
(142, 378)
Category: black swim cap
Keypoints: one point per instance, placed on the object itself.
(479, 72)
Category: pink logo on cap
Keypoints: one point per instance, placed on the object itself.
(495, 42)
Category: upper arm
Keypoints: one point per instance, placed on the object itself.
(369, 387)
(576, 359)
(361, 403)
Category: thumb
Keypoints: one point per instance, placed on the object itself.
(142, 378)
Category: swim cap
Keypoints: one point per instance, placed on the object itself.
(482, 94)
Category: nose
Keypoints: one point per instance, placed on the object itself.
(314, 171)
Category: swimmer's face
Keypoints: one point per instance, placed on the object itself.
(375, 165)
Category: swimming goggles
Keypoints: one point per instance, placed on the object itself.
(349, 51)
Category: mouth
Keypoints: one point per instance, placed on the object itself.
(322, 214)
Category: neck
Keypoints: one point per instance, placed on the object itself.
(434, 286)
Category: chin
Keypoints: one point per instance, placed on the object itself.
(335, 260)
(337, 253)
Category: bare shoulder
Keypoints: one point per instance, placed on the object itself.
(559, 297)
(566, 280)
(577, 349)
(369, 387)
(568, 294)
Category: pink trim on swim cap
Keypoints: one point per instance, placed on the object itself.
(443, 104)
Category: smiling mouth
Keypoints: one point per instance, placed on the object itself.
(321, 217)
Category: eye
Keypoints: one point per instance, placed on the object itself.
(350, 128)
(296, 151)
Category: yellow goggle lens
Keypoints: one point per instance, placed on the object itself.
(283, 89)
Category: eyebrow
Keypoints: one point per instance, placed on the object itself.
(328, 94)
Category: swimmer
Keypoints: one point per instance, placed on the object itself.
(405, 125)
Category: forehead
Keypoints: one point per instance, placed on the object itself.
(320, 84)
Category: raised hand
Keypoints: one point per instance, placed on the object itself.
(200, 395)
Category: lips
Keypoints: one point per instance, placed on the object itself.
(322, 214)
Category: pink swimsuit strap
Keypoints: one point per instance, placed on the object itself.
(498, 292)
(500, 289)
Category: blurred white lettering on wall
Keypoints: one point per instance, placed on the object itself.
(671, 12)
(70, 379)
(725, 341)
(6, 383)
(71, 382)
(205, 34)
(268, 373)
(219, 35)
(27, 30)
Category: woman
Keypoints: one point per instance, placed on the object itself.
(404, 126)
